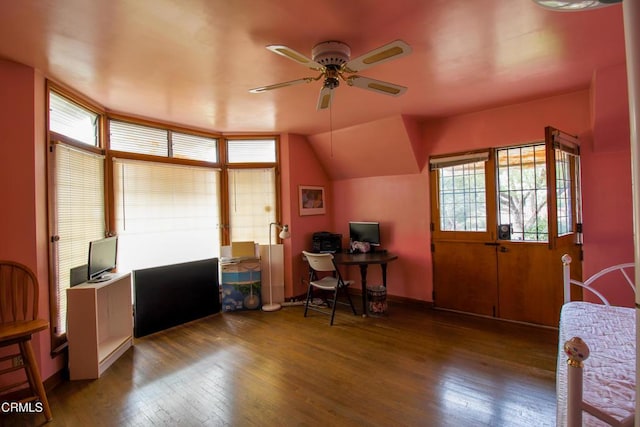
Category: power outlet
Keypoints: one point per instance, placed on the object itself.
(17, 361)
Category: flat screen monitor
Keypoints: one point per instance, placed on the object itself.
(102, 258)
(365, 232)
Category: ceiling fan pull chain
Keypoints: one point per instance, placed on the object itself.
(331, 130)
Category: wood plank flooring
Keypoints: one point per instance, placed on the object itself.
(414, 367)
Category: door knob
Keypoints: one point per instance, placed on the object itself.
(503, 249)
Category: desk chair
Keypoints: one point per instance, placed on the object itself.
(18, 321)
(324, 263)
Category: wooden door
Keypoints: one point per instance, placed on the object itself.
(463, 247)
(466, 277)
(530, 281)
(530, 191)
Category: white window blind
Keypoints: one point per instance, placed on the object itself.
(79, 206)
(140, 139)
(165, 213)
(252, 204)
(251, 150)
(70, 119)
(186, 146)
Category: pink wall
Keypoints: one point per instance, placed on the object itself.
(301, 166)
(510, 125)
(23, 219)
(606, 179)
(401, 205)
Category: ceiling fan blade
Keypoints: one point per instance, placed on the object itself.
(324, 100)
(283, 84)
(394, 50)
(378, 86)
(293, 55)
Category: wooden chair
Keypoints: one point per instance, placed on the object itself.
(18, 322)
(324, 263)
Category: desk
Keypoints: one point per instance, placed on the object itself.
(363, 261)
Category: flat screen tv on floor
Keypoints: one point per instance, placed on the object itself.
(171, 295)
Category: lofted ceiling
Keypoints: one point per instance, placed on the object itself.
(192, 62)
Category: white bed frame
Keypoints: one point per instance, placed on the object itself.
(610, 392)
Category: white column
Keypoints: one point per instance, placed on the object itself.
(631, 11)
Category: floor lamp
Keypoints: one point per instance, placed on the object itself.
(284, 234)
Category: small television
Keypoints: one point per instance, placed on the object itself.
(102, 258)
(365, 232)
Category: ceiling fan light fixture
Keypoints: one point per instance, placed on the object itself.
(331, 53)
(574, 5)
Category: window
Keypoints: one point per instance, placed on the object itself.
(76, 199)
(564, 195)
(251, 150)
(522, 192)
(154, 141)
(139, 139)
(462, 198)
(252, 204)
(70, 119)
(462, 192)
(165, 213)
(185, 146)
(251, 189)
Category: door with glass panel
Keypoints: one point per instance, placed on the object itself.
(464, 265)
(501, 226)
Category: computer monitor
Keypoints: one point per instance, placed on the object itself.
(102, 258)
(365, 232)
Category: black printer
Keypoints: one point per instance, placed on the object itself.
(325, 242)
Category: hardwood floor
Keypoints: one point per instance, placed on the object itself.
(414, 367)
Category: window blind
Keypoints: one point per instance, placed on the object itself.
(165, 214)
(461, 159)
(186, 146)
(252, 204)
(251, 150)
(79, 206)
(70, 119)
(134, 138)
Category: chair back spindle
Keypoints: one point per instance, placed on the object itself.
(18, 293)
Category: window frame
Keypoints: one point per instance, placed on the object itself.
(59, 340)
(225, 216)
(454, 159)
(554, 140)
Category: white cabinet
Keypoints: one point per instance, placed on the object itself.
(99, 325)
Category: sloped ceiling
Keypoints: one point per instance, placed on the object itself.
(384, 147)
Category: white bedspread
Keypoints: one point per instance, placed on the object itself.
(610, 370)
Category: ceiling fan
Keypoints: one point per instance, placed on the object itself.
(574, 5)
(333, 60)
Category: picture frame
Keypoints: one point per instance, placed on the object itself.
(312, 200)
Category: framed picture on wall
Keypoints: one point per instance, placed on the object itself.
(312, 200)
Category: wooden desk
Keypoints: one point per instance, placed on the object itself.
(363, 261)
